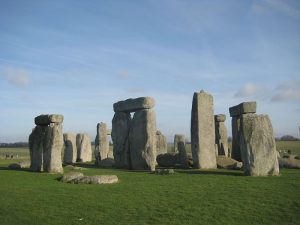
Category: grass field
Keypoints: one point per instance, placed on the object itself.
(187, 197)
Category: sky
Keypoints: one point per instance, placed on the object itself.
(77, 58)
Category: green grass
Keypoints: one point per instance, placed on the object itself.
(294, 146)
(187, 197)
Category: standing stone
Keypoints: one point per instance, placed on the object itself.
(70, 154)
(221, 135)
(120, 134)
(177, 138)
(183, 158)
(142, 139)
(53, 146)
(257, 144)
(161, 143)
(46, 143)
(235, 113)
(84, 148)
(203, 131)
(101, 142)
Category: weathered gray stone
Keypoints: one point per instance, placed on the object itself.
(101, 143)
(142, 139)
(228, 163)
(133, 105)
(203, 131)
(242, 108)
(53, 145)
(178, 138)
(96, 179)
(168, 159)
(120, 134)
(161, 143)
(289, 163)
(36, 139)
(106, 163)
(70, 153)
(220, 118)
(84, 148)
(20, 165)
(164, 171)
(70, 176)
(258, 146)
(110, 154)
(182, 155)
(45, 120)
(221, 135)
(235, 143)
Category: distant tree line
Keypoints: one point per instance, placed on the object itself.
(14, 145)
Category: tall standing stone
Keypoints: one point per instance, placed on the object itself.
(235, 113)
(101, 142)
(84, 148)
(70, 153)
(161, 143)
(182, 155)
(221, 134)
(119, 134)
(203, 131)
(142, 139)
(177, 138)
(46, 143)
(257, 144)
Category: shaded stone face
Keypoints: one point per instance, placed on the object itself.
(178, 138)
(203, 131)
(243, 108)
(84, 148)
(133, 105)
(142, 139)
(36, 139)
(221, 136)
(101, 142)
(120, 134)
(183, 159)
(258, 146)
(161, 143)
(220, 118)
(235, 149)
(45, 120)
(70, 154)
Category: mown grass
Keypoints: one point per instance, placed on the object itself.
(187, 197)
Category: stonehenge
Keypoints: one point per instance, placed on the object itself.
(178, 138)
(161, 143)
(101, 143)
(203, 131)
(221, 135)
(235, 113)
(134, 138)
(46, 143)
(70, 153)
(84, 148)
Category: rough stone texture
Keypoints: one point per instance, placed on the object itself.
(203, 131)
(70, 176)
(133, 105)
(221, 136)
(164, 171)
(142, 139)
(168, 159)
(257, 144)
(96, 179)
(220, 118)
(70, 153)
(289, 163)
(182, 156)
(228, 163)
(161, 143)
(19, 165)
(106, 163)
(178, 138)
(53, 145)
(36, 139)
(242, 108)
(119, 134)
(110, 154)
(101, 143)
(84, 148)
(45, 120)
(235, 143)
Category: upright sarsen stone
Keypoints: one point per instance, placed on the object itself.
(142, 139)
(101, 142)
(70, 153)
(221, 134)
(203, 131)
(161, 143)
(36, 139)
(120, 134)
(258, 146)
(84, 148)
(178, 138)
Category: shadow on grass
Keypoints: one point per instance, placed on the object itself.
(212, 172)
(15, 169)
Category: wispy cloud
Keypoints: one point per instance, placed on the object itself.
(15, 76)
(247, 90)
(287, 91)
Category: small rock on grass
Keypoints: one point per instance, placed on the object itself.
(164, 171)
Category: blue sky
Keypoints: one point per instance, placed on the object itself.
(77, 58)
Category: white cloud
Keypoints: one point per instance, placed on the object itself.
(18, 77)
(287, 91)
(247, 90)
